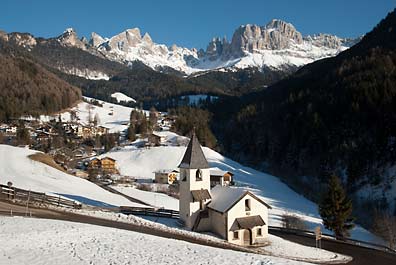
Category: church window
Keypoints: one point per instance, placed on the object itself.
(247, 205)
(198, 175)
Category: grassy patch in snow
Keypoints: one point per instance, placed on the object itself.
(46, 159)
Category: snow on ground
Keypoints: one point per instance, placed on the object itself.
(27, 174)
(277, 246)
(156, 199)
(40, 241)
(284, 248)
(142, 162)
(122, 97)
(112, 116)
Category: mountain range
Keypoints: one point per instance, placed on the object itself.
(277, 46)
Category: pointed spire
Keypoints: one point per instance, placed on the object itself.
(194, 156)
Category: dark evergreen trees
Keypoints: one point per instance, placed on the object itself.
(189, 119)
(336, 209)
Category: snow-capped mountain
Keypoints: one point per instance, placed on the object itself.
(277, 45)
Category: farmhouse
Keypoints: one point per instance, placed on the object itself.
(235, 214)
(106, 165)
(220, 177)
(156, 139)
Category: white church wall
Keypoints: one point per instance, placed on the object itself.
(238, 211)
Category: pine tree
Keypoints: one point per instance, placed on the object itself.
(336, 209)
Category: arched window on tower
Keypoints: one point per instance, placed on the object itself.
(198, 175)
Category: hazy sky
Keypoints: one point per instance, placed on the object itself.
(189, 23)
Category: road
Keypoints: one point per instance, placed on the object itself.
(361, 255)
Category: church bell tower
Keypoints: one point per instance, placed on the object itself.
(194, 183)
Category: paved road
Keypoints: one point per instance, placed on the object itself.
(361, 255)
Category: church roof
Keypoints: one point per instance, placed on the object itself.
(201, 195)
(224, 198)
(194, 156)
(247, 222)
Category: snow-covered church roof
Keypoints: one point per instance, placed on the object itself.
(223, 198)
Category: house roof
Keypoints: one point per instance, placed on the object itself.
(194, 156)
(224, 198)
(247, 222)
(109, 158)
(218, 172)
(200, 195)
(166, 171)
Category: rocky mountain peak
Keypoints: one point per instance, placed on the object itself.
(25, 40)
(96, 40)
(126, 39)
(147, 39)
(69, 38)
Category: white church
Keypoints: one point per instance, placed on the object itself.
(235, 214)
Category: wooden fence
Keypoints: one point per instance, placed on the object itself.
(157, 212)
(13, 193)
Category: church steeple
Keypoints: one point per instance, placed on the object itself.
(194, 183)
(194, 156)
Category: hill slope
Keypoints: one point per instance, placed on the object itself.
(28, 174)
(28, 88)
(334, 115)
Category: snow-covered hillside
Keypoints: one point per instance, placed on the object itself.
(15, 166)
(122, 97)
(112, 116)
(156, 199)
(41, 241)
(142, 162)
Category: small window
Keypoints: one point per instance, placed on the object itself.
(236, 234)
(198, 175)
(247, 205)
(259, 232)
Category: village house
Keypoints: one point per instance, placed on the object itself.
(104, 166)
(156, 139)
(235, 214)
(108, 165)
(166, 176)
(220, 177)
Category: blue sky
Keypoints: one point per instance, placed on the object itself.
(189, 23)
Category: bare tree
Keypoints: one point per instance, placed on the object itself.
(385, 226)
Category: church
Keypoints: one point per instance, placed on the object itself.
(234, 214)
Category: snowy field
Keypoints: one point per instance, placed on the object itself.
(112, 116)
(142, 162)
(40, 241)
(156, 199)
(32, 175)
(122, 97)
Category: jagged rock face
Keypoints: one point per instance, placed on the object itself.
(3, 35)
(96, 40)
(275, 35)
(215, 49)
(126, 39)
(330, 41)
(69, 38)
(22, 39)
